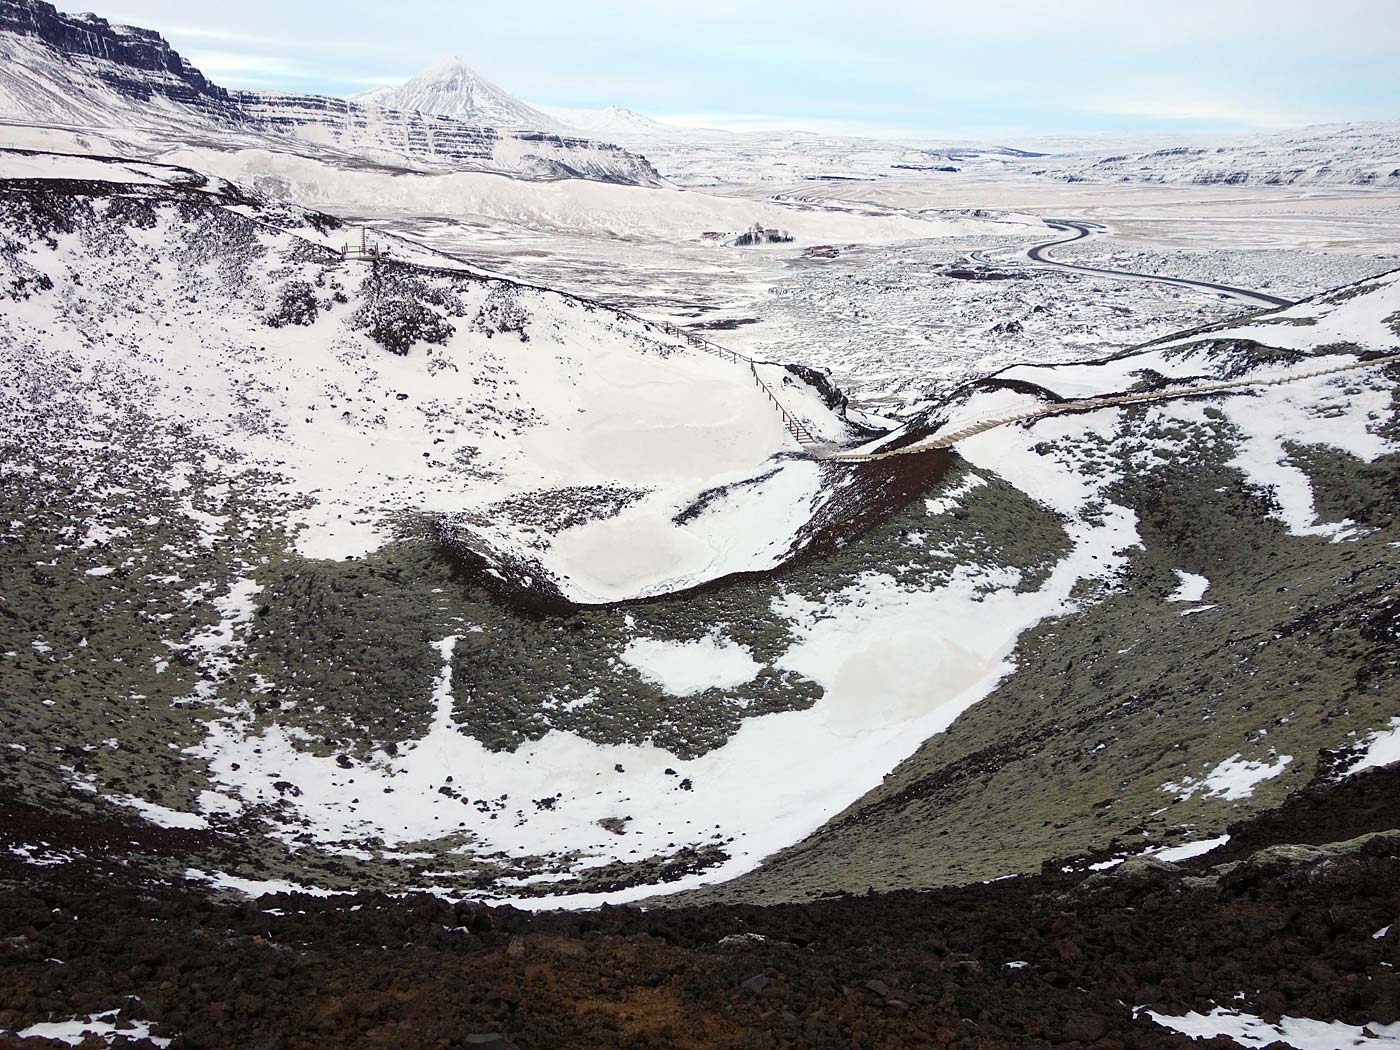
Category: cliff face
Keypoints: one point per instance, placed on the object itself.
(82, 69)
(129, 56)
(350, 125)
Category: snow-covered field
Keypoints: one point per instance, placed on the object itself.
(567, 206)
(881, 315)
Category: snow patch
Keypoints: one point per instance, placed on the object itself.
(161, 816)
(1233, 779)
(1192, 587)
(1382, 748)
(1301, 1033)
(1187, 850)
(950, 499)
(683, 668)
(104, 1026)
(256, 887)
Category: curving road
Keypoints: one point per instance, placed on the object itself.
(1036, 253)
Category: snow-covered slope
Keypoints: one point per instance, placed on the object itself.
(386, 134)
(383, 389)
(130, 62)
(1363, 154)
(41, 84)
(248, 457)
(450, 89)
(615, 123)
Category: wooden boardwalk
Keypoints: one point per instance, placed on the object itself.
(1089, 403)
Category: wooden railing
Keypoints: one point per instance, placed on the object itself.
(796, 427)
(799, 430)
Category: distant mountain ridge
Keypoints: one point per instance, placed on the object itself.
(451, 89)
(84, 70)
(1352, 154)
(617, 121)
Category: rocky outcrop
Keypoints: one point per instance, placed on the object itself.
(436, 139)
(137, 62)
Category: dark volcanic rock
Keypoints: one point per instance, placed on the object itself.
(1021, 963)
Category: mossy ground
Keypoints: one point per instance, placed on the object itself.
(122, 540)
(1069, 755)
(1072, 753)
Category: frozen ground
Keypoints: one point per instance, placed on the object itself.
(1284, 272)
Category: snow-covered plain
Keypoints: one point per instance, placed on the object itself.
(596, 209)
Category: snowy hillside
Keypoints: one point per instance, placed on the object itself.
(450, 89)
(589, 208)
(614, 123)
(379, 389)
(1365, 154)
(710, 157)
(435, 142)
(41, 85)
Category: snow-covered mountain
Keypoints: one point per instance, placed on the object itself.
(451, 89)
(1361, 154)
(82, 71)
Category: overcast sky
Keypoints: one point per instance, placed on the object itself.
(940, 68)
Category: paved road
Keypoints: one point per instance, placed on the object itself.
(1081, 230)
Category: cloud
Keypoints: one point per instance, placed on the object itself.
(223, 36)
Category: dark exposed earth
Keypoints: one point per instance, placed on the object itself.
(1062, 958)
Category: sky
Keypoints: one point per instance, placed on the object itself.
(941, 68)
